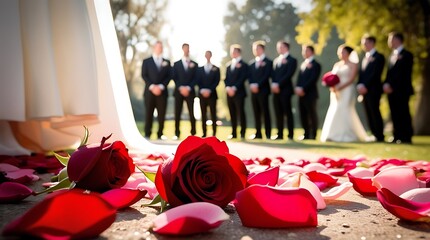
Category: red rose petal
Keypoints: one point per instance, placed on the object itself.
(11, 192)
(363, 185)
(67, 214)
(268, 177)
(188, 219)
(122, 198)
(267, 207)
(320, 178)
(402, 208)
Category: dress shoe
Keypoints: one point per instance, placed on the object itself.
(204, 135)
(303, 137)
(277, 137)
(291, 138)
(231, 136)
(162, 137)
(175, 138)
(255, 136)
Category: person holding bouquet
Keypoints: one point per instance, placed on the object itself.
(342, 123)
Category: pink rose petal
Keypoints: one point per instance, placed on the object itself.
(300, 180)
(22, 176)
(11, 192)
(123, 198)
(268, 207)
(64, 214)
(402, 208)
(267, 177)
(315, 167)
(338, 191)
(191, 218)
(391, 177)
(421, 195)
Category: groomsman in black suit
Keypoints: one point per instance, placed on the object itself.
(306, 89)
(398, 87)
(370, 86)
(236, 75)
(284, 67)
(185, 78)
(208, 80)
(156, 72)
(260, 72)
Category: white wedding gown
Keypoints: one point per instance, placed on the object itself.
(60, 70)
(342, 123)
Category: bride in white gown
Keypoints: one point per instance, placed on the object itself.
(342, 123)
(60, 69)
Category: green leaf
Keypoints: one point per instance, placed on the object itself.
(85, 138)
(157, 199)
(149, 175)
(63, 160)
(63, 184)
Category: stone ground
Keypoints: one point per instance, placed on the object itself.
(350, 217)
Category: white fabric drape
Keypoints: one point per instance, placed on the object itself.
(71, 70)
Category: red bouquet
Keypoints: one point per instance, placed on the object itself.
(330, 79)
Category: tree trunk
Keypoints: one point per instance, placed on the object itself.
(422, 116)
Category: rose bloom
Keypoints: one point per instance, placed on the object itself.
(100, 167)
(202, 170)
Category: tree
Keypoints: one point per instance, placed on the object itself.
(266, 20)
(138, 24)
(354, 18)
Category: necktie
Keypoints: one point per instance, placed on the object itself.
(279, 63)
(365, 61)
(393, 57)
(207, 69)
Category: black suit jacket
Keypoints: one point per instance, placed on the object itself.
(261, 75)
(283, 75)
(399, 75)
(308, 79)
(370, 76)
(183, 77)
(208, 80)
(151, 74)
(237, 77)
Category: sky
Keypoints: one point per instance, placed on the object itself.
(200, 23)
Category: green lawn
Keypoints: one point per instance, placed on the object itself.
(419, 150)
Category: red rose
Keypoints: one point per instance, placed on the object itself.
(100, 167)
(202, 170)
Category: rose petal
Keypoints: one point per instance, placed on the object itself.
(6, 167)
(123, 198)
(315, 167)
(391, 177)
(67, 214)
(421, 195)
(22, 176)
(300, 180)
(268, 207)
(11, 192)
(402, 208)
(338, 191)
(319, 177)
(361, 179)
(268, 177)
(189, 219)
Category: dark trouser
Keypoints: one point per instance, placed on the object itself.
(308, 116)
(260, 105)
(153, 102)
(236, 107)
(401, 117)
(373, 114)
(204, 104)
(179, 101)
(282, 106)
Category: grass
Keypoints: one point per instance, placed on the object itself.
(419, 150)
